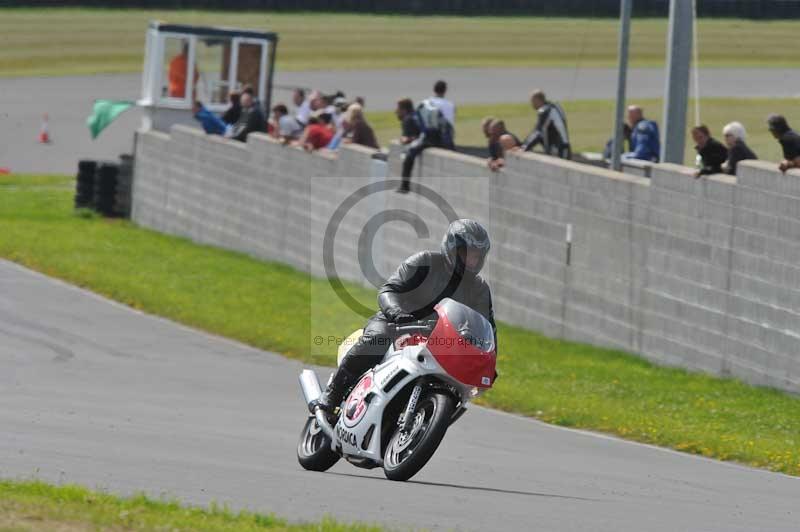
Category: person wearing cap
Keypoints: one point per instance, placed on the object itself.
(789, 140)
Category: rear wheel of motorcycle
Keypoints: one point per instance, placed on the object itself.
(314, 448)
(409, 451)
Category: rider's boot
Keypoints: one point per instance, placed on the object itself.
(340, 384)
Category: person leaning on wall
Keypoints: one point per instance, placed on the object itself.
(711, 153)
(789, 140)
(734, 135)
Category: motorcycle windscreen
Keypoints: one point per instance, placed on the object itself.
(463, 344)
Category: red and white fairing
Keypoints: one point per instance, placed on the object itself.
(459, 351)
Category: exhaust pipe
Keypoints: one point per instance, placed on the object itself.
(311, 392)
(310, 386)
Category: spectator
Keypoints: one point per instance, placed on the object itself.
(212, 124)
(711, 153)
(734, 135)
(234, 111)
(790, 141)
(356, 128)
(645, 144)
(251, 119)
(551, 128)
(436, 132)
(303, 105)
(409, 121)
(447, 107)
(500, 141)
(360, 101)
(318, 133)
(286, 127)
(340, 105)
(626, 137)
(485, 123)
(178, 68)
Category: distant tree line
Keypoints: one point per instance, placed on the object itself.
(756, 9)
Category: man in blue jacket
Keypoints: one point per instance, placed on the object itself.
(212, 124)
(645, 144)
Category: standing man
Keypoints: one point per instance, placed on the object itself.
(645, 144)
(551, 128)
(790, 141)
(439, 101)
(178, 70)
(436, 118)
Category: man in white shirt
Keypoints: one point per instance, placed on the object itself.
(303, 104)
(285, 126)
(447, 107)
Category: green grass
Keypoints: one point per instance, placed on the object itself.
(36, 506)
(275, 307)
(49, 42)
(591, 121)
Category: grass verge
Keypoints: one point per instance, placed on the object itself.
(591, 121)
(36, 506)
(269, 306)
(92, 41)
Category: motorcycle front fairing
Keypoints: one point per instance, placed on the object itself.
(459, 353)
(360, 425)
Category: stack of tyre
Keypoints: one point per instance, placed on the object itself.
(105, 186)
(122, 198)
(84, 185)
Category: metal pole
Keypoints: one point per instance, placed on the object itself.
(622, 80)
(679, 57)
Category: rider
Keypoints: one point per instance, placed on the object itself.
(421, 281)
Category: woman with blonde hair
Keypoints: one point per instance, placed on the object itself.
(734, 134)
(357, 130)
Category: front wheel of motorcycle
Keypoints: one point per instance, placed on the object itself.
(314, 448)
(408, 451)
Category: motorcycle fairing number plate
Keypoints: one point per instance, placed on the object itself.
(356, 406)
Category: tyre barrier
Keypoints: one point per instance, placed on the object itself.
(122, 198)
(84, 185)
(105, 186)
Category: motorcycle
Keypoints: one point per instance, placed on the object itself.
(399, 411)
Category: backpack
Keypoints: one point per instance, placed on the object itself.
(433, 124)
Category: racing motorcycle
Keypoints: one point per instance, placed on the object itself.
(399, 411)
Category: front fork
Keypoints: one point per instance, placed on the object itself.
(411, 407)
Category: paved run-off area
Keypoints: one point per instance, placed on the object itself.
(99, 394)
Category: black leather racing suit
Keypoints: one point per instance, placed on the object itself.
(421, 281)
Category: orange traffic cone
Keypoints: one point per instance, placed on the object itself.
(44, 132)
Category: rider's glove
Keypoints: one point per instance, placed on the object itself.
(403, 317)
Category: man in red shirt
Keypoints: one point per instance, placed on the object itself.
(318, 133)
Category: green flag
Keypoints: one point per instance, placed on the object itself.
(104, 112)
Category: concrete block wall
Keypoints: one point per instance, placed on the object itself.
(697, 273)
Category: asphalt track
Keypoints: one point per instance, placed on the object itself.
(99, 394)
(68, 100)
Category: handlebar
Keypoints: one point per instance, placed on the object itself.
(414, 326)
